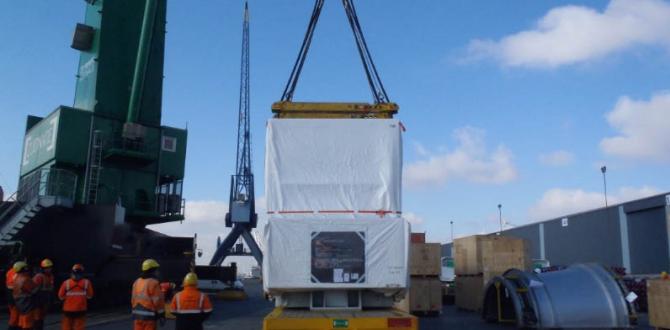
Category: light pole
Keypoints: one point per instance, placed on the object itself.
(452, 237)
(500, 218)
(604, 170)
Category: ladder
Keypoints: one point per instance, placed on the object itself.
(94, 168)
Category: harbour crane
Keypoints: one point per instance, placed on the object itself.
(241, 216)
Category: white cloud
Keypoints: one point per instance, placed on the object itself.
(643, 128)
(557, 158)
(558, 202)
(206, 211)
(573, 34)
(413, 218)
(420, 149)
(470, 161)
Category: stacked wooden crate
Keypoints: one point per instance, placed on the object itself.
(425, 295)
(479, 258)
(658, 300)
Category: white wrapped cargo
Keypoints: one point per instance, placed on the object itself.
(314, 254)
(348, 168)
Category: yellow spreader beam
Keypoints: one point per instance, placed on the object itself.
(294, 319)
(287, 109)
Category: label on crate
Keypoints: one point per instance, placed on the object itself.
(631, 297)
(338, 257)
(340, 324)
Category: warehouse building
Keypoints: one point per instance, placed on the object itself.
(634, 235)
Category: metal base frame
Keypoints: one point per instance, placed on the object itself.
(224, 250)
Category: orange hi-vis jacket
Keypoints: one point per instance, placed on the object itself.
(9, 278)
(147, 299)
(23, 292)
(191, 301)
(192, 308)
(75, 294)
(44, 281)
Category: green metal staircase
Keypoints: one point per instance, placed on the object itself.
(43, 189)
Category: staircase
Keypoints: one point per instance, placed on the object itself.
(16, 217)
(43, 189)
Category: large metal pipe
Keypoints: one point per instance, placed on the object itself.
(146, 35)
(580, 296)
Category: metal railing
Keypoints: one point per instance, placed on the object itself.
(47, 182)
(169, 201)
(43, 182)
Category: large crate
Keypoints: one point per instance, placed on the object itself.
(424, 259)
(481, 254)
(469, 292)
(425, 296)
(658, 300)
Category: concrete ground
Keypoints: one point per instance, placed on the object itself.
(248, 315)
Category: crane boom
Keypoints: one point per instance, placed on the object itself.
(244, 182)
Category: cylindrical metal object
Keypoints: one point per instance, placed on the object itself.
(580, 296)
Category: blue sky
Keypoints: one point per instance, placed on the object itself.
(511, 102)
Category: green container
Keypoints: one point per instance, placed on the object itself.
(62, 137)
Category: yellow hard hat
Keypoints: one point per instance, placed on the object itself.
(149, 264)
(46, 263)
(19, 266)
(191, 279)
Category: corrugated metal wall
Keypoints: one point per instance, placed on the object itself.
(634, 235)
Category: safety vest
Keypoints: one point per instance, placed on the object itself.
(147, 299)
(10, 276)
(44, 281)
(191, 301)
(23, 292)
(75, 294)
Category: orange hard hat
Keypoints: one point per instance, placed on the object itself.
(46, 263)
(78, 268)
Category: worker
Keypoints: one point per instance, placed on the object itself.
(168, 292)
(10, 276)
(75, 293)
(23, 295)
(44, 280)
(147, 298)
(190, 306)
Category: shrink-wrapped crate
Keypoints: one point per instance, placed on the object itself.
(343, 168)
(312, 254)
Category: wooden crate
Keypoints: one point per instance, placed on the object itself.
(658, 300)
(424, 259)
(469, 292)
(481, 254)
(425, 296)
